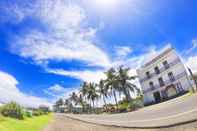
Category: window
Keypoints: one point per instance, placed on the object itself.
(171, 76)
(161, 82)
(157, 71)
(148, 75)
(151, 84)
(166, 65)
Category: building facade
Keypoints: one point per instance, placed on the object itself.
(163, 77)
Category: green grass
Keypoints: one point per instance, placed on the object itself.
(28, 124)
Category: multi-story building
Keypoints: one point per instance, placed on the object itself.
(163, 77)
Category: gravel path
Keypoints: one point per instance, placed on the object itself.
(62, 123)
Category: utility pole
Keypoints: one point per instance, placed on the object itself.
(191, 73)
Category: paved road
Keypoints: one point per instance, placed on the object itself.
(62, 123)
(172, 112)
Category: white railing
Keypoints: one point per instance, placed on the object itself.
(173, 63)
(168, 82)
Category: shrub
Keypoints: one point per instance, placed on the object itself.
(29, 113)
(123, 106)
(38, 112)
(135, 104)
(13, 110)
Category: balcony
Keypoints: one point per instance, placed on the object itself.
(164, 68)
(168, 82)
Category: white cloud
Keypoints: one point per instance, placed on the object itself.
(41, 47)
(135, 62)
(13, 13)
(123, 51)
(67, 38)
(10, 92)
(192, 63)
(55, 90)
(60, 14)
(87, 75)
(194, 46)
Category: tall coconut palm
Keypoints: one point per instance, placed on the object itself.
(92, 93)
(58, 104)
(112, 83)
(103, 90)
(69, 105)
(84, 90)
(74, 98)
(81, 102)
(125, 86)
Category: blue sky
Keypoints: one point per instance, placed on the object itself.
(49, 47)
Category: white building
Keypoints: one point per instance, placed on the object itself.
(163, 77)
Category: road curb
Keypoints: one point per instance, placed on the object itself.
(129, 127)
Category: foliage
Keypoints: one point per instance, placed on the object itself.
(13, 110)
(92, 93)
(117, 82)
(29, 113)
(38, 112)
(135, 104)
(132, 105)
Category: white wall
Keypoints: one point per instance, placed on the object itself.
(176, 69)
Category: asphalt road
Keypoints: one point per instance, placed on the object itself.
(62, 123)
(176, 111)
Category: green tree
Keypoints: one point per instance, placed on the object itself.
(124, 85)
(13, 110)
(74, 98)
(69, 105)
(84, 90)
(58, 103)
(92, 93)
(112, 83)
(103, 91)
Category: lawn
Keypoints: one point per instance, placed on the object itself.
(28, 124)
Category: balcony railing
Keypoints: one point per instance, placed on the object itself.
(168, 82)
(173, 63)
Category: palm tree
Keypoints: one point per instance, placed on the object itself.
(84, 90)
(103, 90)
(123, 82)
(81, 102)
(74, 98)
(68, 103)
(58, 103)
(112, 83)
(92, 93)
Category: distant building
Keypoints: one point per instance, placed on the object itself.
(163, 77)
(60, 108)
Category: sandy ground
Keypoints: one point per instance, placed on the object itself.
(62, 123)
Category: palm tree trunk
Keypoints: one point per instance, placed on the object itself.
(127, 95)
(126, 92)
(93, 106)
(83, 110)
(105, 102)
(114, 93)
